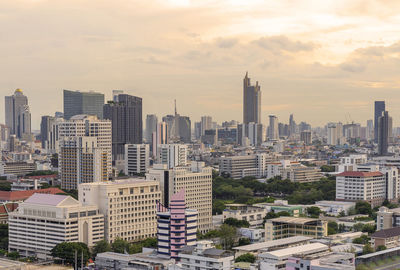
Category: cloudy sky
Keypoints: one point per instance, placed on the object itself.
(320, 60)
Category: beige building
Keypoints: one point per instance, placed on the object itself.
(129, 207)
(196, 179)
(81, 161)
(283, 227)
(252, 214)
(90, 126)
(43, 221)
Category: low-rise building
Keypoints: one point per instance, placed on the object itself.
(387, 218)
(252, 214)
(389, 238)
(283, 227)
(272, 245)
(277, 259)
(205, 256)
(324, 261)
(334, 208)
(365, 186)
(5, 209)
(43, 221)
(129, 207)
(17, 167)
(19, 196)
(254, 235)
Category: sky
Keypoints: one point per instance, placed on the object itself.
(323, 61)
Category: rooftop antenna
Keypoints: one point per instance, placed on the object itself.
(175, 106)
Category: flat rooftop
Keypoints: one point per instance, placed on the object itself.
(287, 252)
(273, 243)
(293, 220)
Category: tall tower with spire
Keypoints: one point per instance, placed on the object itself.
(251, 101)
(18, 116)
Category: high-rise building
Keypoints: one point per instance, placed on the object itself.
(151, 126)
(89, 126)
(255, 133)
(76, 102)
(384, 125)
(197, 130)
(127, 126)
(251, 101)
(129, 207)
(292, 126)
(335, 134)
(18, 116)
(81, 161)
(206, 124)
(136, 158)
(177, 226)
(273, 131)
(305, 137)
(379, 109)
(172, 155)
(44, 220)
(159, 137)
(196, 180)
(185, 129)
(45, 126)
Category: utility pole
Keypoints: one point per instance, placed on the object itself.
(76, 260)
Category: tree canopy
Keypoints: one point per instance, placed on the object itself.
(247, 257)
(66, 251)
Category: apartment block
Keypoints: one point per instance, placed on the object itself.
(283, 227)
(252, 214)
(196, 179)
(177, 226)
(43, 221)
(129, 207)
(89, 126)
(136, 159)
(173, 155)
(366, 186)
(81, 161)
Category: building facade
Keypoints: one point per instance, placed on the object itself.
(126, 120)
(173, 155)
(136, 159)
(176, 226)
(196, 179)
(43, 221)
(17, 114)
(76, 102)
(128, 206)
(251, 101)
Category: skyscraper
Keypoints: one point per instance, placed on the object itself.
(76, 102)
(206, 124)
(384, 123)
(151, 126)
(18, 116)
(273, 131)
(126, 120)
(45, 126)
(89, 126)
(159, 137)
(179, 127)
(379, 109)
(251, 102)
(292, 126)
(185, 129)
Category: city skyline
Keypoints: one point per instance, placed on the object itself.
(332, 58)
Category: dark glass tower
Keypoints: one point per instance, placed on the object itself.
(76, 102)
(383, 133)
(126, 120)
(251, 102)
(379, 109)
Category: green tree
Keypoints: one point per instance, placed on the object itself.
(218, 207)
(363, 207)
(367, 249)
(237, 223)
(363, 239)
(66, 252)
(248, 257)
(5, 185)
(313, 211)
(369, 228)
(327, 168)
(244, 241)
(120, 246)
(13, 255)
(227, 236)
(358, 227)
(332, 227)
(100, 247)
(381, 247)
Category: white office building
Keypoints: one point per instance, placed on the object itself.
(129, 207)
(43, 221)
(173, 155)
(136, 158)
(196, 179)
